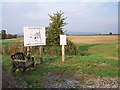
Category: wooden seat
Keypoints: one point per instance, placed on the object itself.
(19, 62)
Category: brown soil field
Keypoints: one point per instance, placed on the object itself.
(94, 39)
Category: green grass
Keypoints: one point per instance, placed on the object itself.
(98, 60)
(105, 50)
(6, 62)
(87, 65)
(98, 66)
(9, 42)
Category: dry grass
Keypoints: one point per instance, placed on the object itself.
(94, 39)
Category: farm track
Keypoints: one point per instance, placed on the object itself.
(53, 82)
(99, 82)
(11, 81)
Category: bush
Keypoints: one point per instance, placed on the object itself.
(70, 48)
(10, 36)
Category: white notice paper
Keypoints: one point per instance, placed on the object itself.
(63, 40)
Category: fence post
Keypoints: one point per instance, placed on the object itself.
(41, 54)
(28, 52)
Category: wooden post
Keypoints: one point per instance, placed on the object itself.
(28, 52)
(41, 54)
(63, 53)
(28, 49)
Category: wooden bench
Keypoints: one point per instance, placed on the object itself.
(19, 62)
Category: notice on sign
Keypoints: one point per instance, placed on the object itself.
(63, 40)
(34, 36)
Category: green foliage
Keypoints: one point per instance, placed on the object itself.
(9, 36)
(71, 49)
(110, 33)
(3, 34)
(52, 50)
(55, 28)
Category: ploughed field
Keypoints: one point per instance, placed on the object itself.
(94, 39)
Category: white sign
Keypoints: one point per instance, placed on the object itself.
(34, 36)
(63, 40)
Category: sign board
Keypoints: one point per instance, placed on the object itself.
(63, 40)
(34, 36)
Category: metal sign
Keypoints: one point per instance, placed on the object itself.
(63, 40)
(34, 36)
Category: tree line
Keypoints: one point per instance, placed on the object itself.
(3, 35)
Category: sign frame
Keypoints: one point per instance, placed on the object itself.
(34, 36)
(63, 40)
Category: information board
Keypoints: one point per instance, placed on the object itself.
(34, 36)
(63, 40)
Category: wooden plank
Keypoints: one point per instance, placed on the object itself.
(20, 60)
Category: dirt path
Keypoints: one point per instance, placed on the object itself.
(9, 81)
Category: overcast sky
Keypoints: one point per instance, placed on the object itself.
(97, 17)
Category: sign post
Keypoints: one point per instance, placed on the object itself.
(41, 54)
(35, 36)
(28, 52)
(63, 53)
(63, 42)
